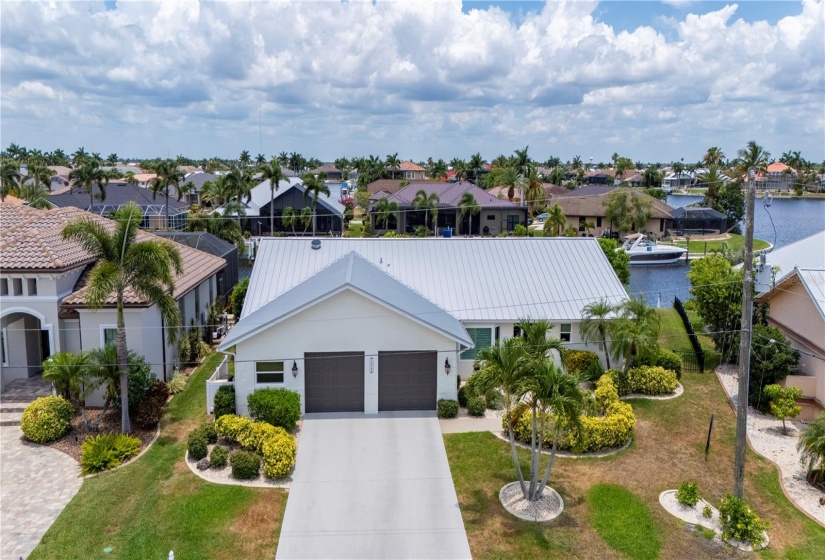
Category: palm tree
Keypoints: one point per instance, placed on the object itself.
(130, 178)
(35, 193)
(167, 177)
(105, 368)
(393, 163)
(239, 183)
(244, 159)
(556, 222)
(812, 449)
(500, 368)
(509, 179)
(9, 177)
(283, 158)
(522, 161)
(383, 210)
(17, 153)
(58, 157)
(635, 332)
(40, 173)
(459, 167)
(596, 325)
(86, 176)
(475, 165)
(260, 159)
(439, 169)
(290, 218)
(753, 158)
(428, 203)
(273, 173)
(216, 192)
(314, 187)
(468, 206)
(714, 156)
(72, 376)
(216, 224)
(79, 156)
(144, 267)
(534, 192)
(713, 178)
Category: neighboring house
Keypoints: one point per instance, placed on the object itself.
(599, 177)
(585, 206)
(779, 177)
(371, 325)
(697, 220)
(332, 172)
(143, 179)
(496, 215)
(797, 308)
(43, 286)
(407, 170)
(776, 264)
(197, 178)
(390, 186)
(290, 193)
(119, 193)
(225, 279)
(633, 179)
(674, 181)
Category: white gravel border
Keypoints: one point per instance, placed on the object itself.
(567, 454)
(545, 509)
(779, 450)
(224, 476)
(693, 515)
(677, 392)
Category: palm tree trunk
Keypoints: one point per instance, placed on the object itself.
(604, 345)
(546, 476)
(271, 210)
(514, 450)
(314, 222)
(122, 364)
(533, 455)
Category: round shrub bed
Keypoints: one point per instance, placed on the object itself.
(274, 444)
(46, 419)
(611, 428)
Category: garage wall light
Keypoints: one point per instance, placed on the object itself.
(294, 369)
(447, 366)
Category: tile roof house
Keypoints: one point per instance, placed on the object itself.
(408, 171)
(375, 325)
(198, 179)
(389, 186)
(778, 176)
(43, 286)
(496, 215)
(120, 192)
(332, 172)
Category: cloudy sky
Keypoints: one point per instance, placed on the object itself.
(654, 81)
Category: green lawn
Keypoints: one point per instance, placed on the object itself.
(667, 450)
(735, 243)
(156, 504)
(623, 521)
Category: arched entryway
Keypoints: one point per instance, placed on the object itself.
(25, 342)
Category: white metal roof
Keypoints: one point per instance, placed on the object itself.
(814, 282)
(806, 253)
(476, 280)
(353, 272)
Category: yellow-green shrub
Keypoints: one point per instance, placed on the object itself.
(46, 419)
(275, 444)
(647, 380)
(279, 454)
(605, 393)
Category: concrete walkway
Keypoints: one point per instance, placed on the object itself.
(376, 486)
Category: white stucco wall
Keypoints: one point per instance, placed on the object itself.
(346, 322)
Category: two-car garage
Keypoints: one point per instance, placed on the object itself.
(407, 380)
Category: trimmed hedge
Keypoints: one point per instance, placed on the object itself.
(224, 401)
(447, 408)
(107, 451)
(612, 429)
(197, 444)
(646, 380)
(586, 363)
(150, 408)
(274, 443)
(462, 397)
(476, 406)
(219, 456)
(46, 419)
(245, 465)
(670, 360)
(279, 407)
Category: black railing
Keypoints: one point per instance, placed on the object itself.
(698, 352)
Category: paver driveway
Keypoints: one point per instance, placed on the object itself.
(376, 486)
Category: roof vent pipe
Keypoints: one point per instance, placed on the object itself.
(316, 244)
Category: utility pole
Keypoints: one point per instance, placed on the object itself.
(745, 343)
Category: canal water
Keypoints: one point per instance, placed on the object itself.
(794, 219)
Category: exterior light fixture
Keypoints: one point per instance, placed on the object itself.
(447, 366)
(294, 369)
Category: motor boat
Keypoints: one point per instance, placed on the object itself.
(643, 250)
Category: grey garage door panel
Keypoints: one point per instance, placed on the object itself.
(334, 381)
(407, 380)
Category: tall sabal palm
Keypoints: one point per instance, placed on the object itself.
(167, 177)
(459, 168)
(283, 158)
(9, 177)
(273, 173)
(291, 218)
(40, 173)
(753, 157)
(428, 203)
(713, 178)
(260, 159)
(510, 179)
(79, 156)
(501, 369)
(145, 267)
(393, 163)
(468, 205)
(534, 192)
(597, 324)
(556, 222)
(714, 156)
(314, 187)
(86, 176)
(521, 161)
(238, 182)
(384, 209)
(18, 153)
(476, 165)
(58, 157)
(244, 159)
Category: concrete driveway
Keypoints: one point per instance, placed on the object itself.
(375, 486)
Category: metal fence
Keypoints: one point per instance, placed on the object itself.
(698, 358)
(220, 377)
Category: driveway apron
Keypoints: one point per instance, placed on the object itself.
(376, 486)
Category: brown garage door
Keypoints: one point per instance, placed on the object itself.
(406, 380)
(334, 381)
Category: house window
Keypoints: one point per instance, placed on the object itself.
(512, 221)
(598, 221)
(498, 334)
(565, 332)
(491, 217)
(582, 221)
(17, 286)
(269, 372)
(516, 331)
(109, 336)
(661, 224)
(482, 338)
(31, 286)
(409, 174)
(3, 347)
(4, 287)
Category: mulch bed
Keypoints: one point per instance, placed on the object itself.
(72, 443)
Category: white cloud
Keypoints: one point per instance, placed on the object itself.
(334, 78)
